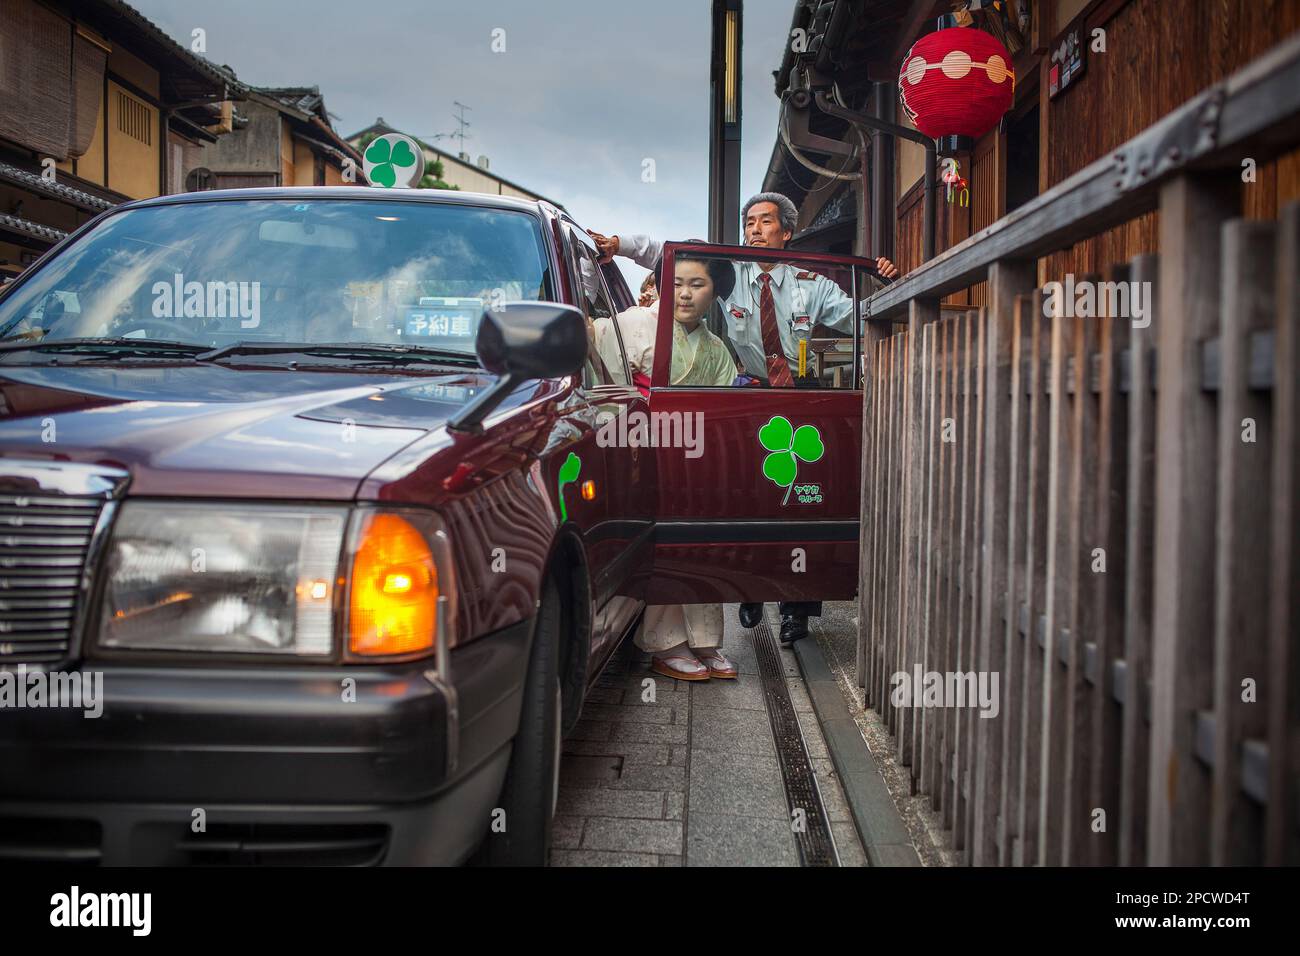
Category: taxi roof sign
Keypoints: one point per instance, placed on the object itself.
(393, 161)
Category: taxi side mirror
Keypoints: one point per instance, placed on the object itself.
(518, 341)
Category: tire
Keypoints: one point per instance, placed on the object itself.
(531, 788)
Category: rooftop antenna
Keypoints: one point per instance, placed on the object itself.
(461, 125)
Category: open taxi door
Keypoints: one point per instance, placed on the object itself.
(758, 471)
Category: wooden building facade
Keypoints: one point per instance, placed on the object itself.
(280, 136)
(1101, 506)
(1158, 54)
(97, 105)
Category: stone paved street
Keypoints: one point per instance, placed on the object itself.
(689, 777)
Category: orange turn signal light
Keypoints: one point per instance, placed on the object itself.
(394, 590)
(588, 491)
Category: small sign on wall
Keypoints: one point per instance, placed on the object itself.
(1069, 59)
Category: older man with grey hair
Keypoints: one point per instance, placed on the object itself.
(761, 309)
(761, 314)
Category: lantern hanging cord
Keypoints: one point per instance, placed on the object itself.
(804, 161)
(811, 188)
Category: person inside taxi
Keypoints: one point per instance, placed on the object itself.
(770, 308)
(772, 305)
(649, 292)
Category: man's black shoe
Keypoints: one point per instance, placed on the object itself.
(751, 615)
(794, 627)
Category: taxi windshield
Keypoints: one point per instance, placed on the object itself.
(218, 273)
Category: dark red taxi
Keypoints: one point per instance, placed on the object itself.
(318, 483)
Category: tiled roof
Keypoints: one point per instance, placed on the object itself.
(307, 99)
(55, 190)
(119, 19)
(29, 228)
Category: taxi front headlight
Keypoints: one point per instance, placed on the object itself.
(235, 579)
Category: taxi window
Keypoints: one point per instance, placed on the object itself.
(605, 364)
(332, 270)
(804, 338)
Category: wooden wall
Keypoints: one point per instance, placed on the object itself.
(1081, 439)
(1159, 53)
(987, 177)
(908, 239)
(985, 171)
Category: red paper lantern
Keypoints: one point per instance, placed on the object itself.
(956, 82)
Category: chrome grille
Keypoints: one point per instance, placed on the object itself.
(43, 544)
(50, 515)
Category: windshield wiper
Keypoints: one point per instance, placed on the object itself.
(354, 354)
(105, 347)
(375, 353)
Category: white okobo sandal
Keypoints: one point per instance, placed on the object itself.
(680, 665)
(718, 664)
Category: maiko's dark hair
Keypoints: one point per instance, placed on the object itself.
(721, 271)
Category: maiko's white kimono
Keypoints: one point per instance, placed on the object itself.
(699, 358)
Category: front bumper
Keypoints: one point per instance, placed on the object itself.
(266, 764)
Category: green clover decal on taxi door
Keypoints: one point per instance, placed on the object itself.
(390, 155)
(788, 446)
(568, 475)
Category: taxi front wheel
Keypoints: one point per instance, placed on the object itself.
(522, 835)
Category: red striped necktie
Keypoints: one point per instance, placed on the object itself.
(778, 370)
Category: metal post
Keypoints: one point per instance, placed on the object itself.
(883, 198)
(856, 379)
(927, 210)
(724, 122)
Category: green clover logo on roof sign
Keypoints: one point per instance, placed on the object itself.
(394, 161)
(788, 446)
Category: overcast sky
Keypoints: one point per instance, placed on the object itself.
(583, 93)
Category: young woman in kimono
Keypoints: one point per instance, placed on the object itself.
(685, 640)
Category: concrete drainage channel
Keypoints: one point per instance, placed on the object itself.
(880, 826)
(809, 820)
